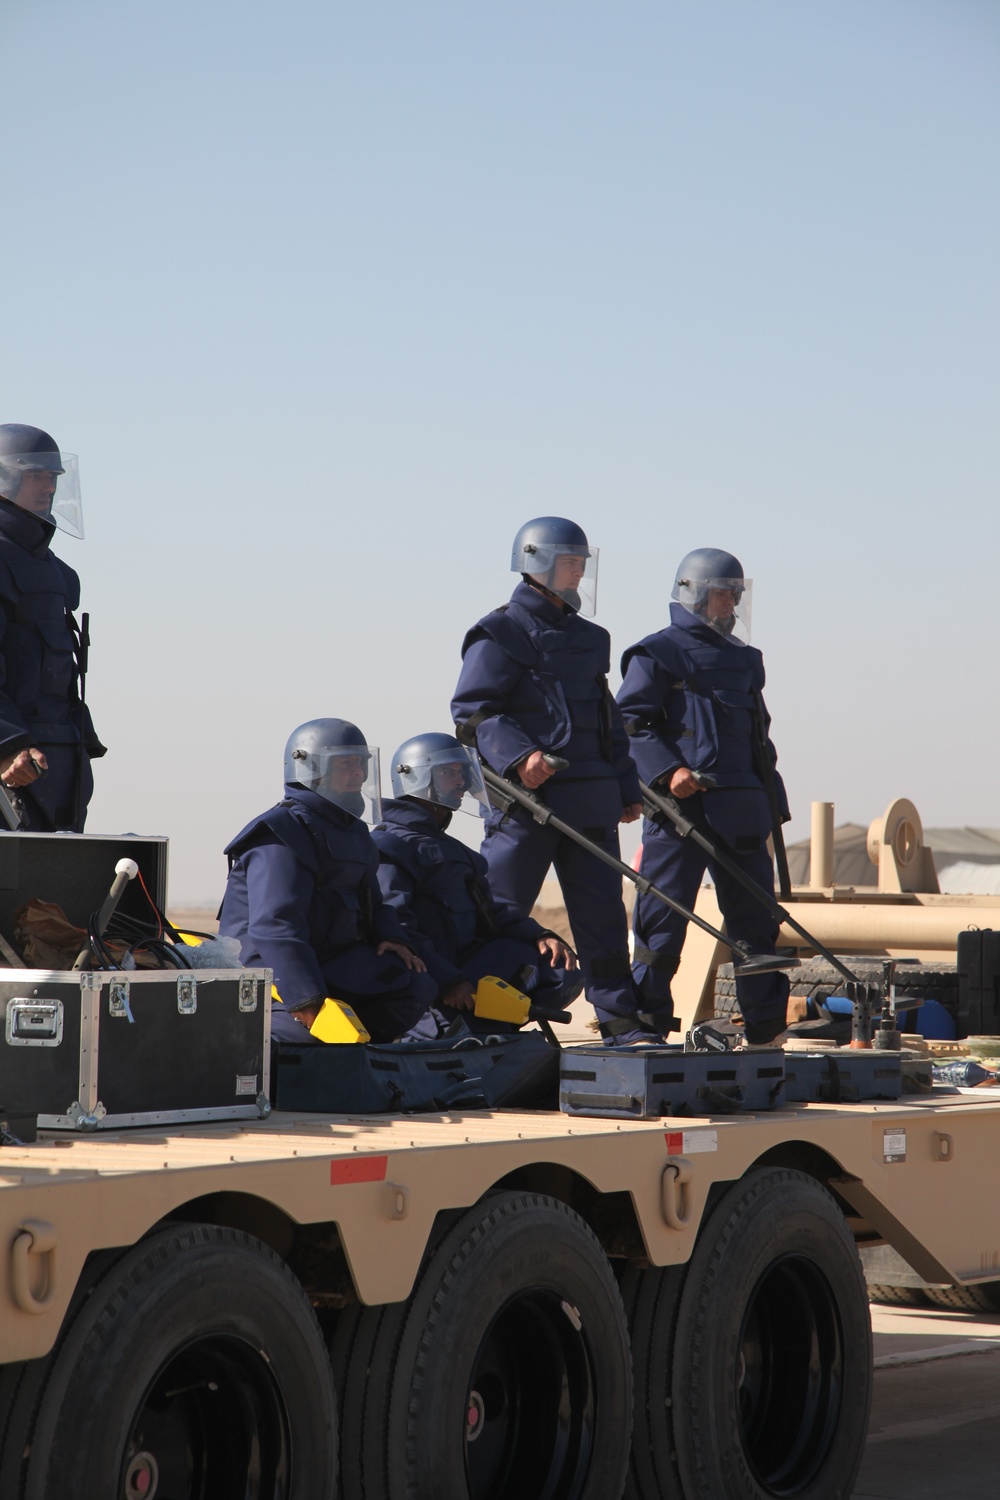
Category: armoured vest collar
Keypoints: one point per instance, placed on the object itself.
(413, 815)
(27, 530)
(317, 806)
(547, 614)
(683, 619)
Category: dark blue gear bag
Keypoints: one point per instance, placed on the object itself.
(511, 1072)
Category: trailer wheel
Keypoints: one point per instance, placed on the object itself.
(900, 1296)
(984, 1297)
(652, 1299)
(195, 1368)
(508, 1378)
(772, 1356)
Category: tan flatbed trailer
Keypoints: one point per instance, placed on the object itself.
(485, 1305)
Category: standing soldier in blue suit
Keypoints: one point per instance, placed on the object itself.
(47, 740)
(691, 697)
(534, 681)
(438, 886)
(303, 897)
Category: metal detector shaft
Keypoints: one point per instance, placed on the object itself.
(544, 815)
(766, 772)
(667, 808)
(82, 662)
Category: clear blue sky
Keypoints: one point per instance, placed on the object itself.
(330, 297)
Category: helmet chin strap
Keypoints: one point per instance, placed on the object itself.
(570, 598)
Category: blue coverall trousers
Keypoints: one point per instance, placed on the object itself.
(520, 851)
(677, 865)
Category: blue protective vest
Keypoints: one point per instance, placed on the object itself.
(703, 715)
(449, 896)
(553, 695)
(337, 850)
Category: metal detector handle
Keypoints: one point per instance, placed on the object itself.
(555, 762)
(7, 811)
(546, 1013)
(705, 781)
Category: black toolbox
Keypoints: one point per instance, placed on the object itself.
(644, 1083)
(842, 1075)
(97, 1050)
(978, 960)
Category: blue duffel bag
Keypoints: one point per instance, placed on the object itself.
(509, 1072)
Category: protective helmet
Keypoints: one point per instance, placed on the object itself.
(707, 571)
(439, 768)
(330, 757)
(537, 549)
(26, 453)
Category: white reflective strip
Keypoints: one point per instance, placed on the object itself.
(688, 1142)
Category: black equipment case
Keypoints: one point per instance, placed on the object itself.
(513, 1072)
(978, 958)
(75, 870)
(842, 1075)
(644, 1083)
(97, 1050)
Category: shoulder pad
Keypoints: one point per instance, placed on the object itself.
(392, 845)
(498, 627)
(287, 829)
(663, 649)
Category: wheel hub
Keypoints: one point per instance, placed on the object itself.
(142, 1477)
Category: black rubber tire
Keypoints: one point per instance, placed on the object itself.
(363, 1355)
(984, 1297)
(22, 1385)
(772, 1353)
(516, 1335)
(199, 1353)
(898, 1296)
(816, 979)
(652, 1299)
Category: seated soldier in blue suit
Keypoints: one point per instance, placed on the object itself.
(440, 891)
(303, 898)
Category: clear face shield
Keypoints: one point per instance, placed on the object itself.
(723, 603)
(565, 569)
(451, 778)
(47, 485)
(346, 775)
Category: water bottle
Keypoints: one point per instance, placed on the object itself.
(964, 1074)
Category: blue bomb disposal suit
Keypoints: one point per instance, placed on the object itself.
(39, 698)
(691, 696)
(534, 678)
(303, 899)
(439, 889)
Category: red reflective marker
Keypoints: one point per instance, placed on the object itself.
(358, 1169)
